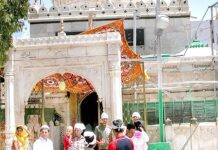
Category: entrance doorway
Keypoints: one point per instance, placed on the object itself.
(89, 111)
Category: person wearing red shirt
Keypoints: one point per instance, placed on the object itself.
(121, 142)
(68, 137)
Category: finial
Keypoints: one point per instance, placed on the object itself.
(62, 25)
(62, 33)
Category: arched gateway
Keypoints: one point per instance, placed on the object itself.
(95, 57)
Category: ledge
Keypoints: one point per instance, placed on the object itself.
(147, 9)
(75, 40)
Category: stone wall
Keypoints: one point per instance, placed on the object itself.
(179, 29)
(204, 136)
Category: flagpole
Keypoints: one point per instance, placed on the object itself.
(162, 22)
(43, 103)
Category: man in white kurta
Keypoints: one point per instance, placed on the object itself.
(43, 142)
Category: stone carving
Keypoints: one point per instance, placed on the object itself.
(27, 54)
(72, 2)
(125, 2)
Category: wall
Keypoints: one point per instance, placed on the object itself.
(45, 21)
(205, 136)
(179, 29)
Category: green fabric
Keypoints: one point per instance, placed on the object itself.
(178, 111)
(196, 44)
(49, 112)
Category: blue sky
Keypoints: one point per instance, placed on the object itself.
(197, 8)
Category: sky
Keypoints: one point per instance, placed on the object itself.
(197, 8)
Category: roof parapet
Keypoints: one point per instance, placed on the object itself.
(108, 9)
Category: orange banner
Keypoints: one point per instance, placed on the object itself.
(130, 71)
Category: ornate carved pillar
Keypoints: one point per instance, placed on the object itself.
(9, 103)
(114, 62)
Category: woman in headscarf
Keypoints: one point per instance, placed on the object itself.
(21, 138)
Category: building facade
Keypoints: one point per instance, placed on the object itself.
(97, 59)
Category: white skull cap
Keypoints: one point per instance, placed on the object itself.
(44, 127)
(104, 115)
(79, 126)
(136, 114)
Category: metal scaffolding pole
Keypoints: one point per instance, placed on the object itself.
(161, 24)
(159, 65)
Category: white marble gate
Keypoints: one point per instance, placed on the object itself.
(94, 57)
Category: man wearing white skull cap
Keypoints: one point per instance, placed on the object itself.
(80, 126)
(135, 116)
(78, 142)
(104, 115)
(43, 142)
(103, 132)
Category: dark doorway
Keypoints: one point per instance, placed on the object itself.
(89, 111)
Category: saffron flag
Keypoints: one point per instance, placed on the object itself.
(130, 70)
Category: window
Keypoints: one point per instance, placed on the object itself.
(139, 39)
(70, 33)
(73, 33)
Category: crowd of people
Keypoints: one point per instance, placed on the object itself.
(116, 137)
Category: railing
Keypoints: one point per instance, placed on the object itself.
(178, 111)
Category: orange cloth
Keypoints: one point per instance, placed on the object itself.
(130, 70)
(74, 83)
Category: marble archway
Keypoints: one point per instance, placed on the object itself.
(49, 94)
(95, 57)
